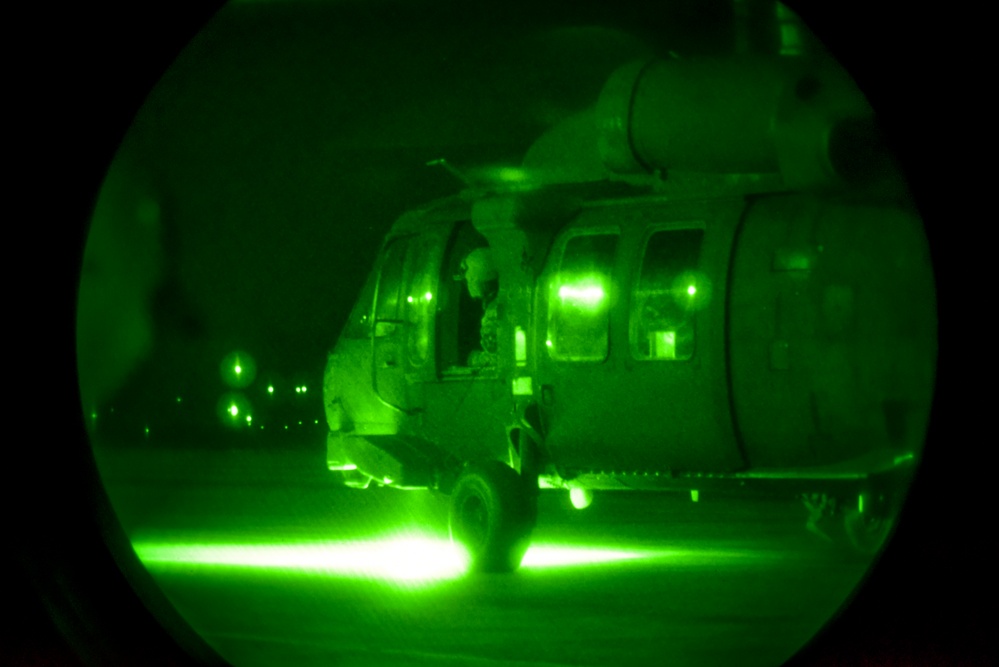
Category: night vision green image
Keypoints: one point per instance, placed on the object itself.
(542, 334)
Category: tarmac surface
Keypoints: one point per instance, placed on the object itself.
(274, 562)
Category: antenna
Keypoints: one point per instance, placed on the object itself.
(442, 162)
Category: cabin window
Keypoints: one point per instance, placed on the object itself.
(579, 299)
(666, 296)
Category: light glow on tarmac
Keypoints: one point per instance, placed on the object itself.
(542, 555)
(407, 558)
(410, 558)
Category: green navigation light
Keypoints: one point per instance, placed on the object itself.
(270, 389)
(178, 399)
(233, 410)
(409, 299)
(249, 418)
(692, 290)
(428, 296)
(238, 369)
(298, 390)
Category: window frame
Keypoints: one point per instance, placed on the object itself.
(633, 288)
(416, 257)
(554, 269)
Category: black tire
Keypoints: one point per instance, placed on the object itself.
(492, 516)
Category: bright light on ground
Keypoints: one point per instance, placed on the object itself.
(556, 556)
(405, 558)
(409, 558)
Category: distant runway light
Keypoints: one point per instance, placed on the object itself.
(233, 408)
(511, 174)
(238, 369)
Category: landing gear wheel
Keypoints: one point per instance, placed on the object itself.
(492, 516)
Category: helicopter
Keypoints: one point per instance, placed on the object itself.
(710, 279)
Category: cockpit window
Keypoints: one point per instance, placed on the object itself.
(359, 324)
(406, 294)
(390, 285)
(668, 292)
(421, 301)
(579, 299)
